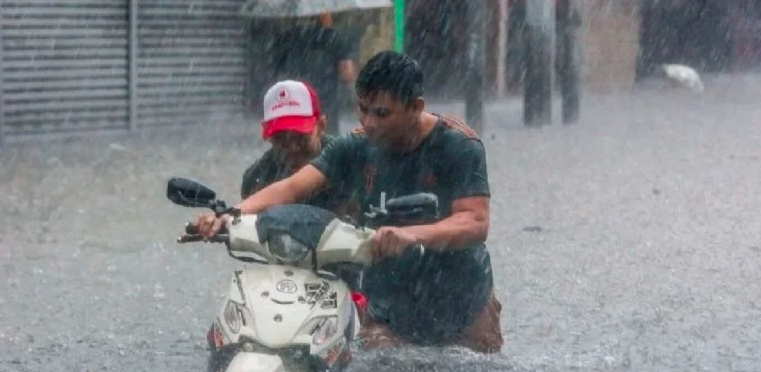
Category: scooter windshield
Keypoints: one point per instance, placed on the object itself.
(302, 222)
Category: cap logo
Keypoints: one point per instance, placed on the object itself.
(284, 100)
(283, 94)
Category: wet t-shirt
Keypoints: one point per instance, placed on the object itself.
(429, 299)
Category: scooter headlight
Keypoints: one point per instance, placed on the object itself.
(286, 249)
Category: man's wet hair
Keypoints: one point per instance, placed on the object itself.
(391, 72)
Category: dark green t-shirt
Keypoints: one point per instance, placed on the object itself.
(429, 299)
(271, 168)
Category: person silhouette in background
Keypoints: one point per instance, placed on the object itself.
(316, 52)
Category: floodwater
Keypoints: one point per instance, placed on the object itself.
(630, 241)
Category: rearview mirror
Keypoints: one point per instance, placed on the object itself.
(189, 193)
(419, 208)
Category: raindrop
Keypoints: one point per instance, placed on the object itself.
(609, 360)
(117, 147)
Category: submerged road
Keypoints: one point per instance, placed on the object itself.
(628, 242)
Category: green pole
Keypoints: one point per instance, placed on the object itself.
(399, 25)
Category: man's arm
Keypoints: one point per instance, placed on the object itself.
(347, 69)
(468, 178)
(468, 225)
(301, 185)
(343, 48)
(308, 181)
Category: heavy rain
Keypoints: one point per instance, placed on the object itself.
(624, 232)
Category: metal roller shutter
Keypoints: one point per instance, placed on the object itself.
(191, 59)
(64, 65)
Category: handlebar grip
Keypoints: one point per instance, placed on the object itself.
(189, 238)
(193, 238)
(192, 229)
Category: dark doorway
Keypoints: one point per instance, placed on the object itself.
(436, 36)
(746, 16)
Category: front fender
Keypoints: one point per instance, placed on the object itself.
(255, 362)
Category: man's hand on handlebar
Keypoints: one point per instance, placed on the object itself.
(391, 242)
(208, 225)
(191, 235)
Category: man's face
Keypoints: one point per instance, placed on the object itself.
(387, 121)
(296, 148)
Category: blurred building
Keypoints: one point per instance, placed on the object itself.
(746, 29)
(81, 66)
(608, 40)
(619, 40)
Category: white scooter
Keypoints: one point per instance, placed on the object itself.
(295, 311)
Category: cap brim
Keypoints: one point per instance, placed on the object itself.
(300, 124)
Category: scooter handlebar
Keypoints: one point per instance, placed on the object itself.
(193, 238)
(190, 229)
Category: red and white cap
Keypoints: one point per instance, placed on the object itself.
(290, 105)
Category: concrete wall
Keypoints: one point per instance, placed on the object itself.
(609, 39)
(379, 34)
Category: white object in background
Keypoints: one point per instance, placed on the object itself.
(684, 75)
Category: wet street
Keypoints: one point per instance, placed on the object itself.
(630, 241)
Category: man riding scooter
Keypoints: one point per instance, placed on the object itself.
(295, 126)
(445, 296)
